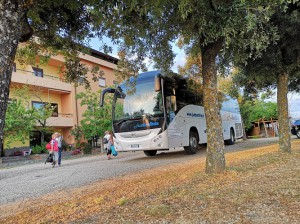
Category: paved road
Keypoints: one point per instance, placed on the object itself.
(33, 180)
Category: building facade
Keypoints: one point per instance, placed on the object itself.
(48, 82)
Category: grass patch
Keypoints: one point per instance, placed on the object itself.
(122, 201)
(99, 200)
(157, 210)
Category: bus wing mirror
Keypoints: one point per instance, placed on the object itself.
(157, 84)
(104, 91)
(120, 94)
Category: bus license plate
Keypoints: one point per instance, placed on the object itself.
(135, 146)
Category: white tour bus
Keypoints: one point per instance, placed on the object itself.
(154, 112)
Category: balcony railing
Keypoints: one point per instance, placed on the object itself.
(65, 115)
(44, 75)
(30, 78)
(63, 120)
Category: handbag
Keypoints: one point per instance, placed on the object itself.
(48, 146)
(49, 158)
(113, 151)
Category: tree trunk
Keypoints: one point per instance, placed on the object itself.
(215, 160)
(244, 131)
(42, 137)
(9, 36)
(283, 116)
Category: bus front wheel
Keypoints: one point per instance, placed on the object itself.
(193, 144)
(150, 152)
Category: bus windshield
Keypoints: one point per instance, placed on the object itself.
(138, 101)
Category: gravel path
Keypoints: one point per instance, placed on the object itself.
(34, 180)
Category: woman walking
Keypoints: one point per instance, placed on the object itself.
(54, 149)
(109, 144)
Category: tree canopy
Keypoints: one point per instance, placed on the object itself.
(63, 26)
(278, 65)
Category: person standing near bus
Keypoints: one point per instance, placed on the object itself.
(109, 144)
(105, 140)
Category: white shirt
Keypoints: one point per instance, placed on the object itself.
(59, 141)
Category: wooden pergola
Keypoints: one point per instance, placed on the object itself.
(265, 128)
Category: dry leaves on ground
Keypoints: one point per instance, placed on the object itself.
(259, 186)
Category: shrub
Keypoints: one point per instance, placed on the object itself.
(38, 149)
(64, 145)
(86, 148)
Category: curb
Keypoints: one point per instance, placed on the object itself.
(7, 162)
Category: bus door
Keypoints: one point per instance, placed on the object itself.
(174, 134)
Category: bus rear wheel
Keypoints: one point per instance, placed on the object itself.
(193, 143)
(231, 140)
(150, 152)
(298, 134)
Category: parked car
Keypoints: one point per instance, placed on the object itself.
(296, 128)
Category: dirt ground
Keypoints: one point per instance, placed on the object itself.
(260, 185)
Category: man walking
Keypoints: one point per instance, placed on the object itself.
(59, 139)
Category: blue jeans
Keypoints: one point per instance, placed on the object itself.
(59, 155)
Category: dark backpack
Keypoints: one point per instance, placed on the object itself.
(105, 141)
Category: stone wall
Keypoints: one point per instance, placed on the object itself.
(10, 152)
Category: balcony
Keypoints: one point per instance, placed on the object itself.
(47, 81)
(61, 121)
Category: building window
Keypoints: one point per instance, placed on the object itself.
(54, 106)
(38, 105)
(41, 105)
(116, 83)
(102, 82)
(81, 79)
(38, 72)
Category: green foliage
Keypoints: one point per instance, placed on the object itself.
(252, 111)
(86, 148)
(38, 149)
(227, 86)
(77, 133)
(26, 55)
(96, 120)
(19, 122)
(21, 118)
(279, 57)
(64, 145)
